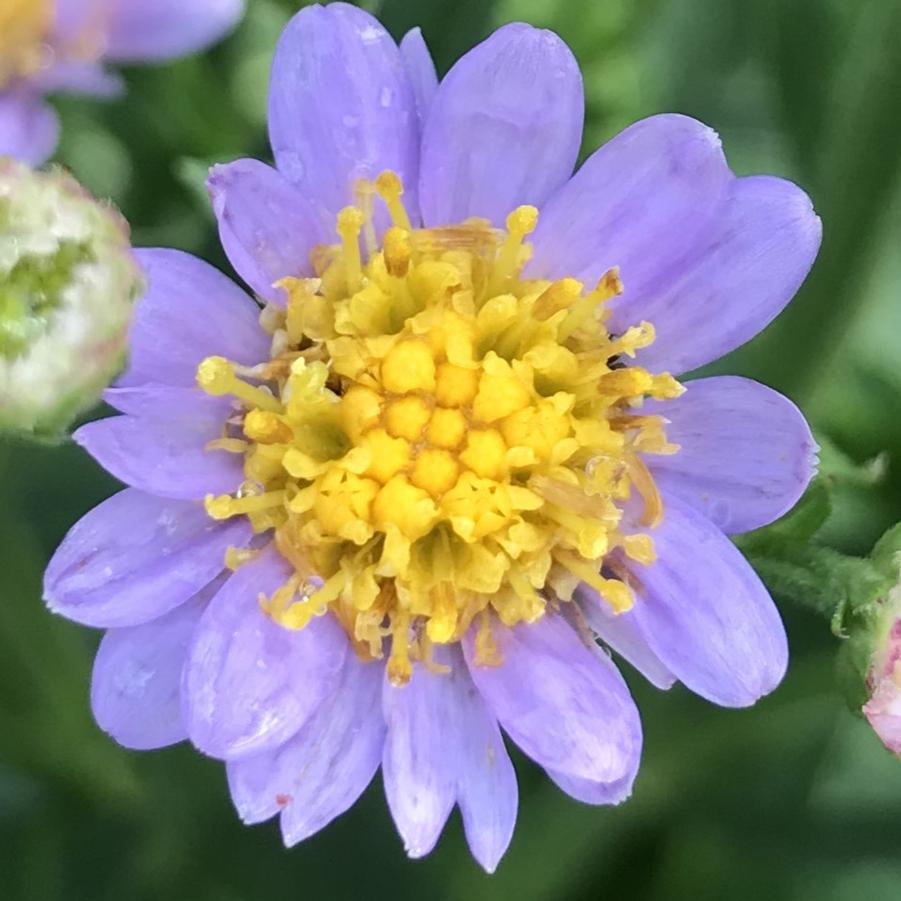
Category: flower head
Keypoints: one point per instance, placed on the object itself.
(68, 281)
(387, 515)
(441, 439)
(61, 45)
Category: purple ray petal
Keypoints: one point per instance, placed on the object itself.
(746, 455)
(321, 771)
(420, 70)
(563, 703)
(29, 128)
(504, 128)
(620, 632)
(164, 29)
(265, 225)
(136, 685)
(162, 449)
(79, 77)
(639, 202)
(443, 745)
(417, 766)
(190, 311)
(486, 783)
(136, 557)
(250, 684)
(595, 792)
(704, 612)
(742, 272)
(341, 107)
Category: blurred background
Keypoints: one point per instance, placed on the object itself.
(794, 799)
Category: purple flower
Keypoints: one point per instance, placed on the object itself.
(61, 45)
(448, 453)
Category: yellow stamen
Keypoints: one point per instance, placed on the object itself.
(364, 190)
(390, 189)
(520, 223)
(586, 309)
(558, 296)
(486, 650)
(647, 488)
(299, 614)
(235, 557)
(229, 445)
(350, 224)
(616, 593)
(399, 668)
(398, 252)
(216, 376)
(225, 506)
(267, 428)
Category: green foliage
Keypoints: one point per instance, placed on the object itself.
(793, 799)
(798, 569)
(849, 591)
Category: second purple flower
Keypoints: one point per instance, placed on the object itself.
(49, 46)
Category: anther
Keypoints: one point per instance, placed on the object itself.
(398, 252)
(390, 188)
(560, 295)
(630, 382)
(609, 286)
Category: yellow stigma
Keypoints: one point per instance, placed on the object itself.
(389, 188)
(24, 28)
(440, 441)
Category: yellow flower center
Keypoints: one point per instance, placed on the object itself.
(26, 34)
(24, 26)
(437, 438)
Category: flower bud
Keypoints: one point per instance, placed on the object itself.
(68, 282)
(883, 709)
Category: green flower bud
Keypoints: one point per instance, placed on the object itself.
(68, 282)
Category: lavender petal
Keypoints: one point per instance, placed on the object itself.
(504, 128)
(136, 557)
(249, 684)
